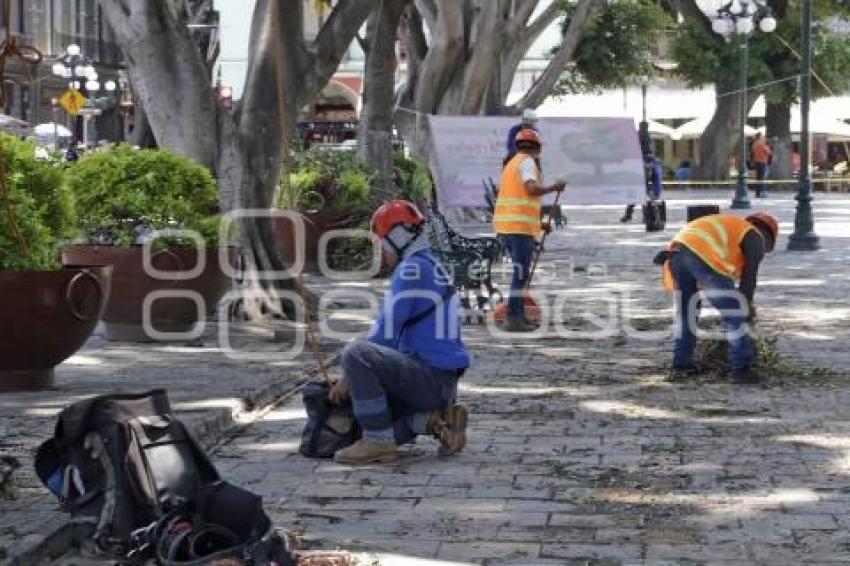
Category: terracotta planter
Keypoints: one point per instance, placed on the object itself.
(283, 229)
(47, 316)
(124, 315)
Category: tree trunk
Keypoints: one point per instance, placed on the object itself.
(720, 140)
(142, 134)
(374, 138)
(778, 122)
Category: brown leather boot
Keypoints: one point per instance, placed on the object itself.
(449, 427)
(367, 452)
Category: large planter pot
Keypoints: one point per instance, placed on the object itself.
(173, 313)
(46, 317)
(289, 245)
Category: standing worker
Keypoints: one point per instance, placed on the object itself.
(403, 379)
(711, 253)
(528, 121)
(517, 218)
(761, 156)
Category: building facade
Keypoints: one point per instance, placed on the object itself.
(51, 26)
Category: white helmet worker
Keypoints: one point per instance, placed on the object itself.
(529, 116)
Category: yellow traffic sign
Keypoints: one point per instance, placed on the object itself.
(72, 101)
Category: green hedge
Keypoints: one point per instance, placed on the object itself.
(39, 205)
(123, 191)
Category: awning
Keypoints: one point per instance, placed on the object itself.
(695, 128)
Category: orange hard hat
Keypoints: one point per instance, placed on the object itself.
(767, 221)
(394, 213)
(527, 135)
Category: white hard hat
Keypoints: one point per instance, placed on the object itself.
(529, 115)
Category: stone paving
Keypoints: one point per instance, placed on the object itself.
(578, 453)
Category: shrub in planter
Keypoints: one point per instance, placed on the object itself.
(47, 313)
(330, 189)
(412, 179)
(122, 196)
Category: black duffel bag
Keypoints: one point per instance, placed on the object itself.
(329, 427)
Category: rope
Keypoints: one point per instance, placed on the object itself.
(286, 142)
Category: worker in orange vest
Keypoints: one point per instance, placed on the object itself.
(517, 218)
(711, 253)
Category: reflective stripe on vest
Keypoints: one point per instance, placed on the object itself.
(716, 239)
(516, 211)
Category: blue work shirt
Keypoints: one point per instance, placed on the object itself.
(417, 282)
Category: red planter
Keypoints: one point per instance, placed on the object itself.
(124, 315)
(46, 317)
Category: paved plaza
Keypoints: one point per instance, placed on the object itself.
(579, 452)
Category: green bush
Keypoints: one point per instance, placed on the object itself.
(329, 181)
(123, 192)
(39, 210)
(412, 177)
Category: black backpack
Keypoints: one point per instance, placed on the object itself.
(223, 522)
(329, 427)
(124, 461)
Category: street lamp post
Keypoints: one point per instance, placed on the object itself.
(804, 237)
(739, 17)
(81, 74)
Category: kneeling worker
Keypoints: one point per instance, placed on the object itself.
(711, 253)
(517, 218)
(403, 378)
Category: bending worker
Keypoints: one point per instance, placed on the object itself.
(403, 379)
(711, 253)
(517, 218)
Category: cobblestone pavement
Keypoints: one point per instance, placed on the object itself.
(209, 390)
(579, 452)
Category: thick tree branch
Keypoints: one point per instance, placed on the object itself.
(522, 12)
(539, 25)
(331, 43)
(445, 52)
(428, 10)
(160, 53)
(542, 88)
(492, 36)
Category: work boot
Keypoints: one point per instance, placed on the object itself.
(367, 452)
(684, 373)
(518, 324)
(747, 376)
(449, 427)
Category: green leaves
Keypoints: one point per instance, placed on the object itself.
(40, 205)
(616, 46)
(122, 192)
(412, 177)
(325, 180)
(705, 58)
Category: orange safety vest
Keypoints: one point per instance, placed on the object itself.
(716, 239)
(516, 212)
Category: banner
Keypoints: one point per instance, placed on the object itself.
(599, 158)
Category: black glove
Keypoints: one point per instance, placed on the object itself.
(662, 257)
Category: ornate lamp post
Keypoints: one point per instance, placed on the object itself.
(739, 17)
(804, 237)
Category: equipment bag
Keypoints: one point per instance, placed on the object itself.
(655, 215)
(224, 522)
(329, 427)
(123, 460)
